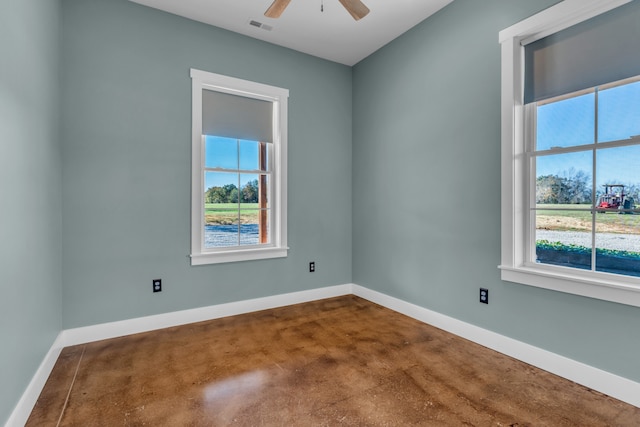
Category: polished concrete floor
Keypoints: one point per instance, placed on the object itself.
(340, 361)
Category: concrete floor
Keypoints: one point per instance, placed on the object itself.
(340, 361)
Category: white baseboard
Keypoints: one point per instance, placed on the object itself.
(149, 323)
(613, 385)
(605, 382)
(25, 405)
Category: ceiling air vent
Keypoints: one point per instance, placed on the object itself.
(260, 25)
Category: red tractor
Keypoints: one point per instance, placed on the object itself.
(615, 199)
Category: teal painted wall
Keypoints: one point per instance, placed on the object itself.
(394, 178)
(426, 177)
(30, 193)
(126, 130)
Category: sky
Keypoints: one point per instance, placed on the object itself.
(570, 123)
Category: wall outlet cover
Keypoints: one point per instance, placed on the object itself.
(484, 296)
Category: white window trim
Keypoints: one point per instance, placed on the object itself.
(609, 287)
(278, 247)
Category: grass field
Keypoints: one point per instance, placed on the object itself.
(609, 222)
(227, 213)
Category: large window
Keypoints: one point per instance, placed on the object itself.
(239, 170)
(570, 150)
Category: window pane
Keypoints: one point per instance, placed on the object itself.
(250, 158)
(249, 199)
(249, 184)
(566, 123)
(221, 152)
(221, 235)
(618, 243)
(221, 187)
(619, 112)
(617, 226)
(564, 179)
(221, 214)
(617, 177)
(254, 226)
(253, 214)
(563, 238)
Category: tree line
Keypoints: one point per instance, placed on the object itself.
(229, 193)
(572, 188)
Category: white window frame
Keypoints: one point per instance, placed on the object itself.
(277, 248)
(515, 191)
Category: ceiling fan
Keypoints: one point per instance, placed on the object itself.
(356, 8)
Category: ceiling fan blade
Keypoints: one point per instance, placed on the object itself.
(276, 8)
(356, 8)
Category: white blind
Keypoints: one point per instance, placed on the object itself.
(235, 116)
(600, 50)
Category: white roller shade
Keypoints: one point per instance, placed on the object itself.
(600, 50)
(235, 116)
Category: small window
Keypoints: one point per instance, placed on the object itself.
(239, 170)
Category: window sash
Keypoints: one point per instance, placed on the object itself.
(531, 153)
(270, 225)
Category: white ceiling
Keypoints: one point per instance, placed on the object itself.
(332, 34)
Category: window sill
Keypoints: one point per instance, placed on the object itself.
(604, 287)
(238, 255)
